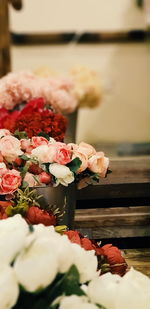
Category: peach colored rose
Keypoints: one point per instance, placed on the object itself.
(10, 181)
(86, 149)
(4, 132)
(63, 154)
(38, 141)
(1, 157)
(99, 164)
(84, 159)
(44, 153)
(31, 180)
(25, 143)
(10, 148)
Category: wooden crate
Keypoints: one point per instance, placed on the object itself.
(118, 207)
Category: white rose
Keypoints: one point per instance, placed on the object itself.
(37, 265)
(13, 233)
(9, 289)
(44, 153)
(133, 291)
(62, 173)
(4, 132)
(104, 290)
(76, 302)
(86, 263)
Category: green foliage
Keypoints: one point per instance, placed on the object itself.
(20, 134)
(24, 157)
(74, 165)
(63, 284)
(43, 134)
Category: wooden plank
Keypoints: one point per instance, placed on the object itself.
(139, 259)
(130, 177)
(121, 216)
(117, 231)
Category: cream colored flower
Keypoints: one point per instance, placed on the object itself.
(13, 232)
(37, 265)
(9, 289)
(62, 173)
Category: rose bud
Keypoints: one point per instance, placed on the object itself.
(35, 215)
(115, 260)
(35, 169)
(18, 161)
(45, 178)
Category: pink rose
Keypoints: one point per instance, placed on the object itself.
(3, 168)
(4, 132)
(10, 148)
(63, 154)
(99, 164)
(9, 181)
(31, 180)
(38, 141)
(86, 149)
(84, 159)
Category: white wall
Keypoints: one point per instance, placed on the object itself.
(81, 15)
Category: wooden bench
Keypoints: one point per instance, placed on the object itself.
(118, 207)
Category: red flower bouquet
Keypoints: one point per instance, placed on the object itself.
(33, 119)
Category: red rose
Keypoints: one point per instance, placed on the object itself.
(9, 181)
(73, 237)
(115, 260)
(45, 178)
(35, 215)
(3, 206)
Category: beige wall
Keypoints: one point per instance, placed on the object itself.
(81, 15)
(124, 69)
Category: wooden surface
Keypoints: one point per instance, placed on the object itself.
(4, 39)
(139, 259)
(130, 177)
(118, 207)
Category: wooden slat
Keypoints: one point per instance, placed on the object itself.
(126, 216)
(130, 177)
(115, 232)
(139, 259)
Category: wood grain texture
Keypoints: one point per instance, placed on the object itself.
(130, 177)
(4, 39)
(139, 259)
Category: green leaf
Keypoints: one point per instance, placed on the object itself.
(24, 157)
(20, 134)
(18, 209)
(67, 284)
(74, 164)
(43, 134)
(100, 306)
(24, 185)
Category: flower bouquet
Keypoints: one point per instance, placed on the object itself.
(43, 269)
(49, 166)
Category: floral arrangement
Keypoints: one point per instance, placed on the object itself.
(35, 117)
(62, 94)
(42, 160)
(41, 268)
(87, 87)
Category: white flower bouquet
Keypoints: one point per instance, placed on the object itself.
(41, 269)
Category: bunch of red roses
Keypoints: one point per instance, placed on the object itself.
(33, 119)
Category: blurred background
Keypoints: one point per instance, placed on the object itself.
(111, 37)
